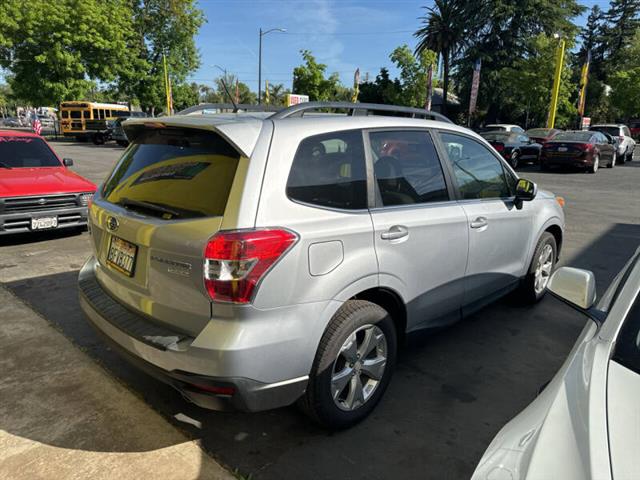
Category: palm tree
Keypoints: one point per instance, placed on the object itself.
(442, 31)
(277, 93)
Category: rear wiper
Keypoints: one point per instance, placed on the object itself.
(4, 165)
(127, 202)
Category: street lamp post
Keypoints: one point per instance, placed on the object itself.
(262, 34)
(556, 82)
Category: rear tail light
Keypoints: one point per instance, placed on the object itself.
(236, 261)
(546, 145)
(499, 147)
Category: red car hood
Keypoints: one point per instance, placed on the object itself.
(19, 182)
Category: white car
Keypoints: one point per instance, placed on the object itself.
(586, 423)
(504, 127)
(626, 143)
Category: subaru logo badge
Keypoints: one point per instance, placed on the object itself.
(42, 201)
(112, 224)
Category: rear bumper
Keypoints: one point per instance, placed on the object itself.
(576, 162)
(206, 376)
(20, 222)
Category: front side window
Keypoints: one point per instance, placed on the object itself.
(25, 152)
(329, 171)
(174, 173)
(627, 350)
(478, 173)
(407, 169)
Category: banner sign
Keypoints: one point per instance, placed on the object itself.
(427, 103)
(475, 86)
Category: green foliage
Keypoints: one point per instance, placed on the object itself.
(624, 81)
(58, 50)
(413, 74)
(382, 90)
(277, 94)
(309, 79)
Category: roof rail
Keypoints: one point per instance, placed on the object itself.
(358, 109)
(228, 107)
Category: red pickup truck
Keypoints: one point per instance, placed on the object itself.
(37, 189)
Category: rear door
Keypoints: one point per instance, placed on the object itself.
(154, 216)
(606, 149)
(420, 230)
(500, 234)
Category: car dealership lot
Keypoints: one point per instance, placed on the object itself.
(452, 391)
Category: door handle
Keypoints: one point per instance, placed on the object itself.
(479, 222)
(395, 232)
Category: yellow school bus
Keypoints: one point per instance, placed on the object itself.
(84, 119)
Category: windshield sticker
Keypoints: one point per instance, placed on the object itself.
(16, 139)
(182, 171)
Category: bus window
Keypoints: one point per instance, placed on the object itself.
(108, 113)
(75, 114)
(65, 114)
(95, 113)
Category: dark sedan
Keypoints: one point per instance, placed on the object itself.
(580, 149)
(516, 148)
(541, 135)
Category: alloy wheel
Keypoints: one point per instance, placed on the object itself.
(543, 269)
(359, 367)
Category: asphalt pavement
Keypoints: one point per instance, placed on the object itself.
(452, 391)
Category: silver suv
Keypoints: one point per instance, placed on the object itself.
(255, 260)
(625, 142)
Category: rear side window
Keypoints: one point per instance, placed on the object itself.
(329, 171)
(627, 350)
(174, 173)
(625, 131)
(25, 152)
(407, 168)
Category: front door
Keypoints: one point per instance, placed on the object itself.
(500, 234)
(420, 231)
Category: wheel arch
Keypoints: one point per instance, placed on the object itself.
(392, 302)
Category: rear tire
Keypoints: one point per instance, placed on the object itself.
(358, 345)
(98, 139)
(596, 164)
(629, 156)
(622, 158)
(534, 285)
(515, 159)
(613, 161)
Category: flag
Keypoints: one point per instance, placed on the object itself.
(266, 91)
(36, 126)
(427, 103)
(356, 85)
(584, 79)
(475, 86)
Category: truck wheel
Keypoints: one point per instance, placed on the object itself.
(534, 285)
(98, 138)
(353, 365)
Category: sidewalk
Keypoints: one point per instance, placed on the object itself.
(64, 417)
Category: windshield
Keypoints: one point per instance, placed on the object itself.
(613, 131)
(538, 132)
(25, 152)
(174, 173)
(573, 137)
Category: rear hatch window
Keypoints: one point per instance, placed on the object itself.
(174, 173)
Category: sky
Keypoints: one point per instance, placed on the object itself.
(343, 34)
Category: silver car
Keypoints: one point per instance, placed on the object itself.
(585, 423)
(253, 260)
(624, 141)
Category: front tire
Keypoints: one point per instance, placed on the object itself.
(534, 285)
(515, 159)
(613, 160)
(353, 365)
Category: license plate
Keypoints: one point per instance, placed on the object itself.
(42, 223)
(562, 149)
(122, 255)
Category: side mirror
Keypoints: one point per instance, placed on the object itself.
(526, 190)
(67, 162)
(575, 286)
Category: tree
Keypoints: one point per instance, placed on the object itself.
(161, 27)
(413, 74)
(58, 50)
(442, 32)
(625, 87)
(623, 19)
(382, 90)
(277, 94)
(309, 79)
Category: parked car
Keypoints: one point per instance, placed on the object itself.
(634, 128)
(581, 149)
(516, 148)
(584, 423)
(253, 260)
(626, 143)
(11, 122)
(541, 135)
(37, 189)
(502, 127)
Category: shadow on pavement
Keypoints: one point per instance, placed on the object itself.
(451, 393)
(37, 237)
